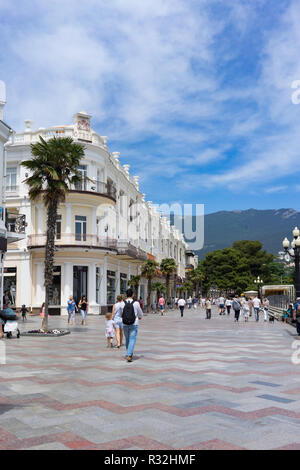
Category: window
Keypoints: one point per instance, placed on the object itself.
(82, 185)
(58, 227)
(98, 282)
(11, 179)
(123, 283)
(80, 228)
(111, 287)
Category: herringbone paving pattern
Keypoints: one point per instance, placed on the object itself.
(193, 384)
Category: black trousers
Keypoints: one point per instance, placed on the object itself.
(228, 309)
(237, 315)
(208, 313)
(181, 310)
(298, 325)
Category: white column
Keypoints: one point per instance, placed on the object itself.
(40, 290)
(68, 282)
(68, 218)
(103, 287)
(92, 285)
(94, 221)
(40, 221)
(24, 282)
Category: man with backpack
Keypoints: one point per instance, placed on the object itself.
(236, 305)
(131, 315)
(297, 314)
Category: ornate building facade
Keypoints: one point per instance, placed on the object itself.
(105, 228)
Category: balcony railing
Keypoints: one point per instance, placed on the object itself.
(74, 239)
(126, 248)
(97, 187)
(15, 223)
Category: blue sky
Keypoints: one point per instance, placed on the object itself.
(194, 94)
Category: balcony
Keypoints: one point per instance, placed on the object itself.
(12, 190)
(128, 251)
(15, 225)
(95, 187)
(74, 240)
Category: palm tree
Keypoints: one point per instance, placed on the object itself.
(196, 276)
(135, 282)
(54, 168)
(149, 271)
(159, 288)
(168, 267)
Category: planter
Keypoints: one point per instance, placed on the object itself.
(51, 333)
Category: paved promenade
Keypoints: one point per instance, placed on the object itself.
(193, 384)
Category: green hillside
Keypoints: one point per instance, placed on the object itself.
(268, 226)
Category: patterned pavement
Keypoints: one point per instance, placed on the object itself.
(193, 384)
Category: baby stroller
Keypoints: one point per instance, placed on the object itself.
(10, 321)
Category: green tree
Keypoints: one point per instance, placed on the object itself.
(159, 288)
(168, 267)
(196, 276)
(234, 269)
(54, 168)
(135, 282)
(149, 271)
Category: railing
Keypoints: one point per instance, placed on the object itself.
(74, 239)
(97, 187)
(12, 189)
(126, 248)
(15, 223)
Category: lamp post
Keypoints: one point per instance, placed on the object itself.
(294, 253)
(259, 282)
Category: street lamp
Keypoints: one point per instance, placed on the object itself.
(294, 253)
(259, 282)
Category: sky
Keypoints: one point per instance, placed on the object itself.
(196, 95)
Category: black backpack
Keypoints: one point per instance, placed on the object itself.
(128, 315)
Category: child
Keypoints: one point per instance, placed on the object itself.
(109, 328)
(24, 312)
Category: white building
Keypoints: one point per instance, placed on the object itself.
(12, 227)
(105, 228)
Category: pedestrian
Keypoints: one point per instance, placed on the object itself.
(176, 302)
(181, 304)
(83, 307)
(228, 305)
(246, 309)
(221, 305)
(131, 315)
(161, 303)
(236, 305)
(250, 303)
(72, 309)
(24, 312)
(288, 313)
(208, 308)
(109, 330)
(195, 302)
(141, 302)
(266, 305)
(6, 300)
(256, 306)
(297, 314)
(117, 318)
(189, 302)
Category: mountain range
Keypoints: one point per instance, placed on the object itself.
(270, 227)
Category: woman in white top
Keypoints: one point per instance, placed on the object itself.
(228, 305)
(245, 307)
(117, 318)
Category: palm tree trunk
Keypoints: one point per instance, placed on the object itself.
(149, 294)
(49, 256)
(168, 287)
